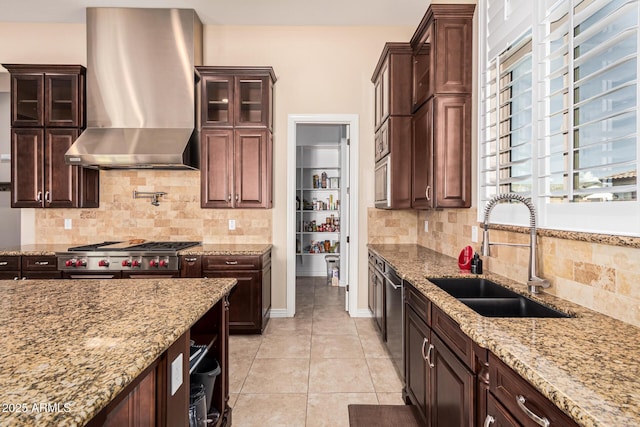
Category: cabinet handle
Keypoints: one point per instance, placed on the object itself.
(424, 343)
(39, 196)
(229, 198)
(237, 197)
(47, 197)
(431, 365)
(427, 192)
(42, 262)
(541, 421)
(4, 262)
(194, 259)
(489, 420)
(231, 262)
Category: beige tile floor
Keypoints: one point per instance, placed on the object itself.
(306, 370)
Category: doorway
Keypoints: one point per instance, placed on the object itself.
(322, 209)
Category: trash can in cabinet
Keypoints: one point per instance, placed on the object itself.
(206, 372)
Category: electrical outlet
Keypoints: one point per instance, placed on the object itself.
(474, 233)
(176, 374)
(426, 226)
(232, 224)
(67, 224)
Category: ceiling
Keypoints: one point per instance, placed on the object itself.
(235, 12)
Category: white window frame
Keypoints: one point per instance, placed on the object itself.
(617, 218)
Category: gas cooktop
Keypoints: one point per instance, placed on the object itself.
(134, 246)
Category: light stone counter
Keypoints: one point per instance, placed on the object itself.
(228, 249)
(588, 365)
(69, 347)
(37, 250)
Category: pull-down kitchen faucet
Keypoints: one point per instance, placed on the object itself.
(534, 283)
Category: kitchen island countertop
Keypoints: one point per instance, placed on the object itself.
(587, 365)
(69, 347)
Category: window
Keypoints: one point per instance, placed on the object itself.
(569, 140)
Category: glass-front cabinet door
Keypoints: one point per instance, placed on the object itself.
(61, 95)
(252, 101)
(218, 101)
(28, 95)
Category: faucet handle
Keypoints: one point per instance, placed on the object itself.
(535, 284)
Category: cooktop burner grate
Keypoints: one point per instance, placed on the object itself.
(147, 246)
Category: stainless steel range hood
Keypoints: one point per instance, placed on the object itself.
(142, 104)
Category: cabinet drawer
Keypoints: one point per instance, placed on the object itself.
(10, 275)
(39, 263)
(10, 263)
(449, 331)
(231, 262)
(190, 266)
(418, 302)
(508, 387)
(499, 416)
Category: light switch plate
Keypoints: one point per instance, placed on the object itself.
(232, 224)
(474, 233)
(67, 224)
(176, 374)
(426, 226)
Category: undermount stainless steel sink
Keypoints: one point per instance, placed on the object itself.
(489, 299)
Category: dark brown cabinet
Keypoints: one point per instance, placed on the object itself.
(441, 124)
(47, 112)
(437, 380)
(237, 140)
(377, 293)
(392, 115)
(10, 267)
(250, 300)
(40, 267)
(236, 168)
(519, 402)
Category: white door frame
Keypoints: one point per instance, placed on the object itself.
(352, 281)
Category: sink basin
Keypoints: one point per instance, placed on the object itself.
(473, 287)
(489, 299)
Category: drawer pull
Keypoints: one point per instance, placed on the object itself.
(489, 420)
(424, 343)
(194, 259)
(4, 262)
(231, 262)
(42, 262)
(544, 422)
(431, 365)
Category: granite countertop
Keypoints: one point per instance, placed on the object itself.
(74, 345)
(587, 365)
(204, 249)
(228, 249)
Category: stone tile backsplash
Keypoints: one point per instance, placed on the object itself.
(600, 276)
(178, 217)
(391, 226)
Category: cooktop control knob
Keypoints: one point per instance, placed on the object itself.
(81, 263)
(164, 263)
(153, 263)
(70, 263)
(126, 263)
(103, 263)
(135, 263)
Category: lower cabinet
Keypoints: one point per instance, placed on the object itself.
(376, 296)
(250, 299)
(518, 399)
(10, 267)
(454, 383)
(438, 382)
(40, 267)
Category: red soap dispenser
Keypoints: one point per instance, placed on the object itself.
(465, 257)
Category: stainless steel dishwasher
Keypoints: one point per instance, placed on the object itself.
(394, 311)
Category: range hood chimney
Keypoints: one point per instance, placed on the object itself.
(142, 104)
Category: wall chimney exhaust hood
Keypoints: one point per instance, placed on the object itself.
(142, 103)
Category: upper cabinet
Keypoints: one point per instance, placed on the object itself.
(442, 52)
(51, 96)
(392, 119)
(441, 122)
(237, 97)
(47, 115)
(236, 164)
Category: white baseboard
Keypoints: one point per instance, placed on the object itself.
(278, 312)
(362, 312)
